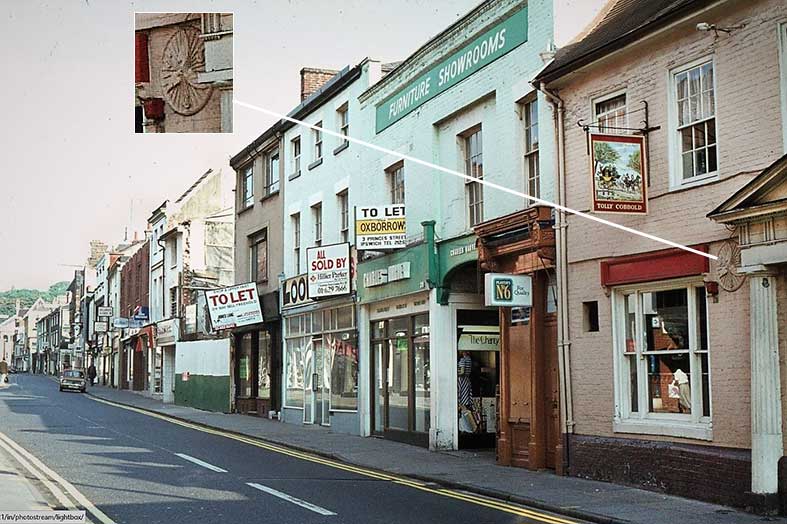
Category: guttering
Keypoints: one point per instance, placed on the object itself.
(563, 337)
(638, 34)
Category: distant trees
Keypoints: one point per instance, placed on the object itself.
(28, 296)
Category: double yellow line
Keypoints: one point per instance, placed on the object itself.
(454, 494)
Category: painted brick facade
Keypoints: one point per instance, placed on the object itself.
(750, 138)
(134, 281)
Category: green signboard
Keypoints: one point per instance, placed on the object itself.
(470, 58)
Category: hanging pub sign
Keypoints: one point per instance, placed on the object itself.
(328, 270)
(380, 227)
(617, 164)
(234, 306)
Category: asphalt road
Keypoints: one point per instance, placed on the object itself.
(139, 468)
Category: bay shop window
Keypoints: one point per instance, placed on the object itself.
(324, 341)
(662, 378)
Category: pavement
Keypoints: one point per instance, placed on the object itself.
(472, 472)
(18, 492)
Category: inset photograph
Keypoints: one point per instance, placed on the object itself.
(183, 72)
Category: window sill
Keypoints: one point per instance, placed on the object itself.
(698, 431)
(695, 181)
(341, 148)
(315, 164)
(294, 175)
(269, 195)
(241, 211)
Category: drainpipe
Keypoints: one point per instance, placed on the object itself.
(563, 335)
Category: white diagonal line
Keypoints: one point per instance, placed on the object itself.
(201, 463)
(290, 498)
(478, 180)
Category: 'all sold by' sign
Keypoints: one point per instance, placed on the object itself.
(328, 270)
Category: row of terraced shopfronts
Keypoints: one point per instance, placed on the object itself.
(631, 357)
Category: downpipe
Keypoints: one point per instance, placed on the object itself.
(561, 225)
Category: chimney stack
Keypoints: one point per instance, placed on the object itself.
(312, 79)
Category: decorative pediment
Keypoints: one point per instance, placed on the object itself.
(764, 196)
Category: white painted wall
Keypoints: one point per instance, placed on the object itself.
(203, 357)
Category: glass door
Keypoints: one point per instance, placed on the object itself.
(322, 376)
(309, 383)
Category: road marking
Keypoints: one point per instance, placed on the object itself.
(201, 463)
(290, 498)
(478, 500)
(69, 488)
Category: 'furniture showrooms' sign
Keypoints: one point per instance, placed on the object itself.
(469, 59)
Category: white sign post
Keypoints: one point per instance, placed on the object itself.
(328, 270)
(234, 306)
(380, 227)
(508, 290)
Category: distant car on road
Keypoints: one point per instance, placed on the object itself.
(73, 379)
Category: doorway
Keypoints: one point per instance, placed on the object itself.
(401, 379)
(317, 384)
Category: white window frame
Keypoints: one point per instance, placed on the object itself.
(467, 155)
(295, 219)
(247, 175)
(344, 215)
(391, 173)
(296, 155)
(605, 98)
(269, 175)
(675, 160)
(694, 425)
(318, 143)
(317, 223)
(344, 122)
(782, 39)
(528, 153)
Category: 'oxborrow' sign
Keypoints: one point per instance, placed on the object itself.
(328, 270)
(380, 227)
(234, 306)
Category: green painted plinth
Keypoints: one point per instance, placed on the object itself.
(211, 393)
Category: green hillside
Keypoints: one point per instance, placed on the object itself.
(28, 296)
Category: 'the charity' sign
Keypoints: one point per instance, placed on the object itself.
(234, 306)
(328, 270)
(380, 227)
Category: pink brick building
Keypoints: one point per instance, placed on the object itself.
(666, 389)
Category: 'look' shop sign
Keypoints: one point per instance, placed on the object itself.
(470, 58)
(328, 270)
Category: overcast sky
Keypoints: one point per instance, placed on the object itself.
(73, 169)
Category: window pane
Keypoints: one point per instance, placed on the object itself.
(379, 384)
(682, 85)
(630, 312)
(244, 366)
(712, 162)
(705, 385)
(702, 318)
(378, 329)
(342, 351)
(422, 382)
(669, 380)
(294, 371)
(687, 144)
(399, 327)
(700, 162)
(631, 361)
(666, 317)
(688, 165)
(399, 383)
(683, 112)
(699, 136)
(710, 131)
(345, 317)
(263, 376)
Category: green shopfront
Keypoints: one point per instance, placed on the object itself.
(417, 308)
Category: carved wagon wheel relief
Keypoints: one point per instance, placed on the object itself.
(727, 266)
(184, 57)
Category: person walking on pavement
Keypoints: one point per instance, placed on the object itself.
(91, 373)
(3, 371)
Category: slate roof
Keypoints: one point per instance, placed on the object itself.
(619, 24)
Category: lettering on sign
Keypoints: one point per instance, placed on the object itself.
(295, 291)
(380, 227)
(382, 276)
(234, 306)
(461, 250)
(507, 290)
(328, 270)
(467, 60)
